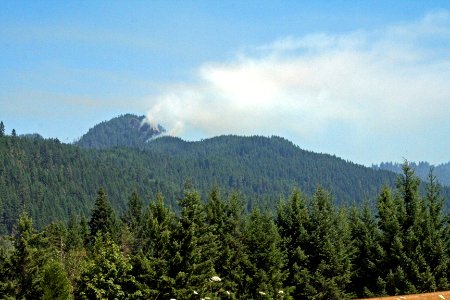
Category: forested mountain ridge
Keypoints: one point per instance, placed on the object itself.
(51, 180)
(127, 130)
(442, 171)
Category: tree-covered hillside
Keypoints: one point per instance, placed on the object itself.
(126, 130)
(306, 248)
(442, 171)
(51, 180)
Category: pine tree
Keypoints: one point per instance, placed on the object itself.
(413, 224)
(231, 263)
(192, 265)
(369, 254)
(55, 283)
(331, 249)
(293, 224)
(151, 262)
(107, 275)
(435, 243)
(102, 218)
(265, 277)
(132, 223)
(28, 258)
(74, 234)
(133, 215)
(2, 129)
(391, 280)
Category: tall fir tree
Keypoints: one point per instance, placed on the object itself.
(266, 275)
(293, 225)
(231, 263)
(192, 265)
(332, 250)
(2, 129)
(151, 262)
(435, 243)
(102, 217)
(107, 274)
(368, 258)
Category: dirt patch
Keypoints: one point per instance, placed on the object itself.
(427, 296)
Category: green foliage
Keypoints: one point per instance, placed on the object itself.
(55, 283)
(124, 131)
(312, 249)
(102, 219)
(52, 180)
(107, 273)
(192, 265)
(266, 257)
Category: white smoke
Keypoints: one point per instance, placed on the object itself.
(387, 80)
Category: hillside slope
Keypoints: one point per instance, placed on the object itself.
(422, 169)
(123, 131)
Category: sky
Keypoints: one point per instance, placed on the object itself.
(368, 81)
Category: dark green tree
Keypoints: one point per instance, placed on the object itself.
(266, 276)
(293, 225)
(332, 250)
(232, 261)
(435, 243)
(74, 234)
(102, 217)
(369, 255)
(192, 265)
(2, 129)
(28, 259)
(55, 283)
(107, 274)
(152, 261)
(133, 215)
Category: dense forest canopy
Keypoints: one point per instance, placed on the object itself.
(442, 171)
(51, 180)
(307, 248)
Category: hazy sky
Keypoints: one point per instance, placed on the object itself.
(368, 81)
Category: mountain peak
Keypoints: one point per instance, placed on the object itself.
(126, 130)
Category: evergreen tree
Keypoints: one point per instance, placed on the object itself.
(107, 275)
(435, 243)
(55, 283)
(392, 280)
(192, 265)
(2, 129)
(232, 262)
(28, 258)
(151, 262)
(13, 133)
(265, 277)
(413, 224)
(74, 234)
(331, 249)
(102, 218)
(293, 225)
(132, 217)
(369, 254)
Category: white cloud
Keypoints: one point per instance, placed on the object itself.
(384, 81)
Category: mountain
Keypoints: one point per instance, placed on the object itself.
(52, 180)
(422, 169)
(123, 131)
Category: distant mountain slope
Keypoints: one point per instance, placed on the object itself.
(52, 180)
(422, 169)
(125, 131)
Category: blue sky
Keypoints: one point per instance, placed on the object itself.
(365, 80)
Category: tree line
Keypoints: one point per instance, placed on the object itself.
(52, 180)
(308, 248)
